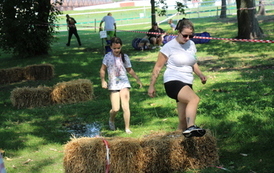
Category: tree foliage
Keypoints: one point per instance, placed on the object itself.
(162, 7)
(27, 26)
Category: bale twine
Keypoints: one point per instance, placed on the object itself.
(28, 97)
(72, 91)
(39, 72)
(11, 75)
(161, 152)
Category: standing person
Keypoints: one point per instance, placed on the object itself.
(179, 57)
(156, 35)
(171, 24)
(110, 25)
(72, 30)
(118, 65)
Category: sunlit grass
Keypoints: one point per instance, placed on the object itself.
(236, 103)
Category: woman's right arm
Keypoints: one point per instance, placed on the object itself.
(155, 73)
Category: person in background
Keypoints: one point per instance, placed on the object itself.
(72, 30)
(156, 36)
(179, 57)
(144, 43)
(171, 24)
(118, 65)
(110, 25)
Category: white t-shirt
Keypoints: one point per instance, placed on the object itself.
(181, 58)
(117, 74)
(109, 23)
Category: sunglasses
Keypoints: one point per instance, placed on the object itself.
(190, 36)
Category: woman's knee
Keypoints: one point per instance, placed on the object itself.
(187, 95)
(196, 99)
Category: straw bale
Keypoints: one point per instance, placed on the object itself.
(172, 152)
(163, 152)
(202, 152)
(126, 155)
(85, 155)
(39, 72)
(27, 97)
(88, 155)
(159, 152)
(10, 75)
(72, 91)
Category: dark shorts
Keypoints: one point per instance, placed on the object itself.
(115, 91)
(173, 88)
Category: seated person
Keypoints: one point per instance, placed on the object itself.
(154, 38)
(144, 43)
(171, 24)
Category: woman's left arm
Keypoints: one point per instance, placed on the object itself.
(199, 73)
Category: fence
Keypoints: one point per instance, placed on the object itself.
(142, 15)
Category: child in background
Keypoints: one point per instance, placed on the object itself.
(171, 24)
(117, 65)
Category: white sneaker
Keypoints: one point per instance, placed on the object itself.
(128, 131)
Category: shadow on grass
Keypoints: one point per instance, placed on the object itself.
(249, 132)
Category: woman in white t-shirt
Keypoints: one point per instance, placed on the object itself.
(118, 65)
(179, 57)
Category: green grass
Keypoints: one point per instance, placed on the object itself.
(236, 103)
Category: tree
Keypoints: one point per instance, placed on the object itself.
(248, 25)
(155, 6)
(27, 26)
(223, 9)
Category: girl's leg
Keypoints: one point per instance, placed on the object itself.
(125, 97)
(115, 106)
(181, 107)
(188, 101)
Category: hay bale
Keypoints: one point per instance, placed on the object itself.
(10, 75)
(178, 153)
(85, 155)
(126, 155)
(39, 72)
(157, 149)
(88, 155)
(161, 152)
(72, 91)
(28, 97)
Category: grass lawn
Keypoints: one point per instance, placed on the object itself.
(236, 103)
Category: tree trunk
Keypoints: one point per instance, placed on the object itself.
(223, 9)
(153, 17)
(261, 10)
(43, 11)
(248, 25)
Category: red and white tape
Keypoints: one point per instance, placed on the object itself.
(213, 38)
(107, 155)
